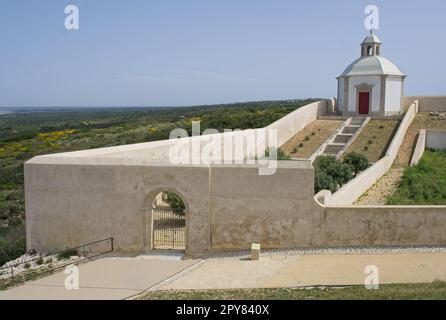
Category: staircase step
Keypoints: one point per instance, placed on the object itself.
(350, 129)
(344, 138)
(357, 121)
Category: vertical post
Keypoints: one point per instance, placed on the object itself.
(112, 245)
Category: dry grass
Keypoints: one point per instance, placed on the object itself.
(307, 141)
(428, 291)
(374, 139)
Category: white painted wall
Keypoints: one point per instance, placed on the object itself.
(393, 95)
(341, 94)
(374, 81)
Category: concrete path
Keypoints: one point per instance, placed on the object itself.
(310, 270)
(106, 278)
(120, 278)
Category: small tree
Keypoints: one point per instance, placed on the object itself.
(357, 161)
(322, 181)
(340, 172)
(175, 202)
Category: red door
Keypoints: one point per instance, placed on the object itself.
(364, 102)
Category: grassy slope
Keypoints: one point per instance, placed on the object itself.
(436, 290)
(25, 135)
(424, 184)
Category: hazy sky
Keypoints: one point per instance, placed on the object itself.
(152, 53)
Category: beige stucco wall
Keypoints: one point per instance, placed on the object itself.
(382, 226)
(436, 139)
(276, 211)
(75, 198)
(77, 201)
(427, 103)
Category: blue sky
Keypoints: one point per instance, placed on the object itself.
(163, 53)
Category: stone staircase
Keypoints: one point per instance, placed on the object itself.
(342, 138)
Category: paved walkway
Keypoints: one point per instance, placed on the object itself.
(106, 278)
(310, 270)
(120, 278)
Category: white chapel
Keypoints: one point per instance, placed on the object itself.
(372, 85)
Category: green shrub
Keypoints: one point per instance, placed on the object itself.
(423, 184)
(12, 243)
(357, 161)
(295, 150)
(281, 155)
(339, 172)
(39, 261)
(67, 254)
(175, 202)
(323, 181)
(27, 265)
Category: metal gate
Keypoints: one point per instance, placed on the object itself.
(169, 229)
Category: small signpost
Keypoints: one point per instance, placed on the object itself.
(255, 251)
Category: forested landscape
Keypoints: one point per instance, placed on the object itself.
(25, 133)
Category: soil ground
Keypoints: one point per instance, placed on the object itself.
(307, 141)
(374, 139)
(384, 187)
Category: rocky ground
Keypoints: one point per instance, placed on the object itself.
(32, 261)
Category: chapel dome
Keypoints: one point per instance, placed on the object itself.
(372, 65)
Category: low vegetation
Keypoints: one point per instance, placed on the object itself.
(25, 134)
(423, 291)
(175, 203)
(424, 184)
(307, 141)
(374, 139)
(331, 174)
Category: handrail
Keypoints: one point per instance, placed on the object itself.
(45, 270)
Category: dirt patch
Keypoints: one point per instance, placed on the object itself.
(374, 139)
(307, 141)
(386, 186)
(377, 195)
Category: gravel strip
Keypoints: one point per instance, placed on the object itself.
(332, 251)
